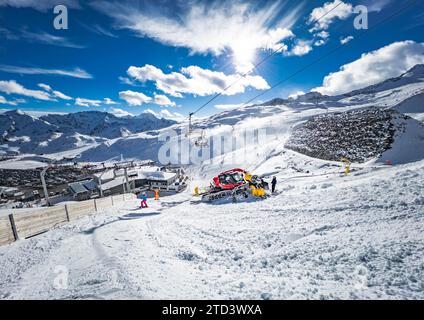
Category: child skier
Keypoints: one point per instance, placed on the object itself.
(144, 200)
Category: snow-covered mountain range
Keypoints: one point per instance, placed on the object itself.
(22, 133)
(98, 136)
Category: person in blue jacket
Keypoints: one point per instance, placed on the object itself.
(144, 200)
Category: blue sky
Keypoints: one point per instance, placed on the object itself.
(169, 57)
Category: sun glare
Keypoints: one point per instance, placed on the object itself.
(243, 56)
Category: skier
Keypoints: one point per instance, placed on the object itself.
(144, 200)
(274, 184)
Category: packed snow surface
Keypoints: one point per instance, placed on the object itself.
(322, 237)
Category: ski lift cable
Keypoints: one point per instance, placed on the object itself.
(330, 53)
(273, 53)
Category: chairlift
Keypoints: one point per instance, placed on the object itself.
(200, 140)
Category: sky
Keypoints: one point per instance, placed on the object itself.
(170, 57)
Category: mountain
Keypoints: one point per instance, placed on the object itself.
(99, 136)
(280, 117)
(18, 124)
(22, 133)
(391, 93)
(105, 125)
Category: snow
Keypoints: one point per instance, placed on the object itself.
(113, 183)
(408, 145)
(98, 136)
(21, 165)
(21, 133)
(157, 175)
(325, 237)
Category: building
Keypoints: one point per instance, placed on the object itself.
(164, 181)
(83, 190)
(139, 179)
(11, 193)
(125, 180)
(114, 186)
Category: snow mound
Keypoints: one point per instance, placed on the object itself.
(360, 136)
(414, 104)
(408, 143)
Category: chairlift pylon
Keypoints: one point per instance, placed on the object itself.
(190, 125)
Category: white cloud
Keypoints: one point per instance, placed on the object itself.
(7, 34)
(323, 37)
(50, 39)
(296, 94)
(76, 73)
(101, 31)
(12, 87)
(323, 34)
(119, 112)
(346, 40)
(374, 67)
(137, 99)
(87, 102)
(301, 48)
(3, 100)
(376, 5)
(61, 95)
(163, 100)
(134, 98)
(109, 101)
(175, 116)
(217, 28)
(195, 80)
(320, 42)
(323, 17)
(45, 87)
(127, 81)
(166, 114)
(151, 112)
(227, 107)
(54, 93)
(40, 5)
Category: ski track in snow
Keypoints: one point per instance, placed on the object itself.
(324, 237)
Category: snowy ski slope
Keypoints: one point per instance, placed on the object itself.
(322, 236)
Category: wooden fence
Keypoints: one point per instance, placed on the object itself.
(22, 224)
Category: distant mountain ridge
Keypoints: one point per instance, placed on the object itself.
(105, 125)
(23, 133)
(414, 76)
(98, 136)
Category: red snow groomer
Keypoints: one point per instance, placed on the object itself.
(230, 184)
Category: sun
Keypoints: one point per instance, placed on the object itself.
(243, 56)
